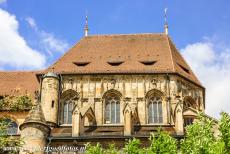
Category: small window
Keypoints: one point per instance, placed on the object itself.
(115, 63)
(81, 63)
(148, 62)
(184, 69)
(52, 103)
(188, 121)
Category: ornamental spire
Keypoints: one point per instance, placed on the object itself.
(86, 25)
(166, 23)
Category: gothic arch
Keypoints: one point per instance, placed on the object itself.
(154, 92)
(155, 107)
(112, 91)
(67, 103)
(10, 116)
(132, 109)
(112, 110)
(70, 94)
(13, 128)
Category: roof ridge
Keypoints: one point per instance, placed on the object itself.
(178, 51)
(170, 50)
(128, 34)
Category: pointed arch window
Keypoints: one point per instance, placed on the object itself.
(68, 99)
(155, 114)
(112, 109)
(67, 114)
(12, 128)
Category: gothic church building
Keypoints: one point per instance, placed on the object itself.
(106, 89)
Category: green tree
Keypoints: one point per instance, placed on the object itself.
(16, 103)
(93, 149)
(224, 128)
(162, 143)
(6, 140)
(132, 146)
(111, 150)
(200, 138)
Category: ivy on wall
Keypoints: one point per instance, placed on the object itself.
(16, 103)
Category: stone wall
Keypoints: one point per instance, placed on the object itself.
(133, 89)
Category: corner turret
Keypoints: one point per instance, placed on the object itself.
(34, 131)
(50, 97)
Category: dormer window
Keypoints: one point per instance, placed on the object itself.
(81, 63)
(115, 63)
(148, 62)
(184, 69)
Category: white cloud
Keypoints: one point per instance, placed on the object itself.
(48, 41)
(53, 44)
(212, 65)
(2, 1)
(14, 50)
(31, 22)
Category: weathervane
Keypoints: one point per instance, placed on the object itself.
(166, 23)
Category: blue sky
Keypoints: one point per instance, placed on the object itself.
(189, 21)
(33, 34)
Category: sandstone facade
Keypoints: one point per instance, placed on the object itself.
(109, 88)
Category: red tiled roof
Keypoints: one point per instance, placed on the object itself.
(18, 83)
(93, 54)
(108, 54)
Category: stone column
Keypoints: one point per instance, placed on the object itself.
(127, 123)
(179, 122)
(77, 123)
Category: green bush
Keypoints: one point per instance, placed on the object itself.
(199, 138)
(91, 149)
(224, 127)
(8, 141)
(111, 150)
(132, 146)
(162, 143)
(16, 103)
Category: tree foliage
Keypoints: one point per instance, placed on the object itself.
(6, 140)
(199, 138)
(132, 146)
(91, 149)
(162, 143)
(111, 150)
(224, 127)
(16, 103)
